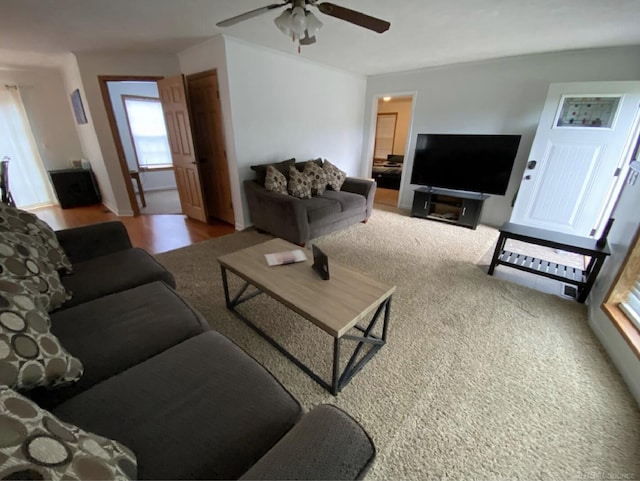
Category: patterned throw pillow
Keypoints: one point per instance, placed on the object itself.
(282, 167)
(24, 261)
(30, 355)
(335, 176)
(318, 177)
(13, 219)
(299, 184)
(35, 444)
(275, 181)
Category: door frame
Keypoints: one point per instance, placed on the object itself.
(106, 98)
(409, 141)
(615, 189)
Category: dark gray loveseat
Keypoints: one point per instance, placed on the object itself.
(186, 400)
(300, 220)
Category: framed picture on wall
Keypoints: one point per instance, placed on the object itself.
(78, 109)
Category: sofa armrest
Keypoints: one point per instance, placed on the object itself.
(94, 240)
(281, 215)
(364, 187)
(326, 444)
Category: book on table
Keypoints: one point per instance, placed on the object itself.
(286, 257)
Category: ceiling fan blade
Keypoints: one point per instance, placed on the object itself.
(354, 17)
(247, 15)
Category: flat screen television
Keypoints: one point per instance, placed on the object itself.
(476, 163)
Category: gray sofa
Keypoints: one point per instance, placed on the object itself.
(185, 399)
(300, 220)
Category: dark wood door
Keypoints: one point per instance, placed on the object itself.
(206, 114)
(176, 115)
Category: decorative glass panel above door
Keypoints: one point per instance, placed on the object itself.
(593, 112)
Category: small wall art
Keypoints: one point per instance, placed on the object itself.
(78, 109)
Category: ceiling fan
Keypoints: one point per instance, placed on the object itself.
(302, 25)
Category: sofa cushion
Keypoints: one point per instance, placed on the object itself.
(348, 201)
(118, 331)
(335, 176)
(34, 444)
(112, 273)
(318, 177)
(203, 409)
(282, 167)
(24, 261)
(319, 208)
(16, 220)
(275, 181)
(30, 355)
(299, 185)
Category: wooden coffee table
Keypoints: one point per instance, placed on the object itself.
(336, 306)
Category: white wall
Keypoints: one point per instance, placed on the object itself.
(160, 180)
(51, 120)
(99, 145)
(276, 106)
(284, 106)
(624, 227)
(499, 96)
(86, 133)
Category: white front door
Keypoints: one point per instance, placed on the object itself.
(582, 141)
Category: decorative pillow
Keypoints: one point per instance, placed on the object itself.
(30, 355)
(318, 177)
(282, 167)
(35, 444)
(13, 219)
(24, 261)
(301, 165)
(335, 176)
(275, 181)
(299, 184)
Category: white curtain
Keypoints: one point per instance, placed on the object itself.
(28, 179)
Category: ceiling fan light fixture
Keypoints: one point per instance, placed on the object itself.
(298, 20)
(283, 22)
(313, 24)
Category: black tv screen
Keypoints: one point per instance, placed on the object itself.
(476, 163)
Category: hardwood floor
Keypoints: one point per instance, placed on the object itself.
(387, 197)
(160, 232)
(155, 233)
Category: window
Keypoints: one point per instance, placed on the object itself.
(148, 132)
(631, 305)
(28, 181)
(622, 304)
(385, 135)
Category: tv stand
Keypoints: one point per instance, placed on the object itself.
(451, 206)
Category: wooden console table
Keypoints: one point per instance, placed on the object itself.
(582, 279)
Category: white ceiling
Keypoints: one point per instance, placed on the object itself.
(423, 33)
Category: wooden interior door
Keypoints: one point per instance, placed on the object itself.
(176, 116)
(206, 114)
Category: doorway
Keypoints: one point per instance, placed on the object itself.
(137, 114)
(579, 157)
(393, 122)
(191, 119)
(208, 136)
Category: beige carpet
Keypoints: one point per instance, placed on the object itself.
(480, 379)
